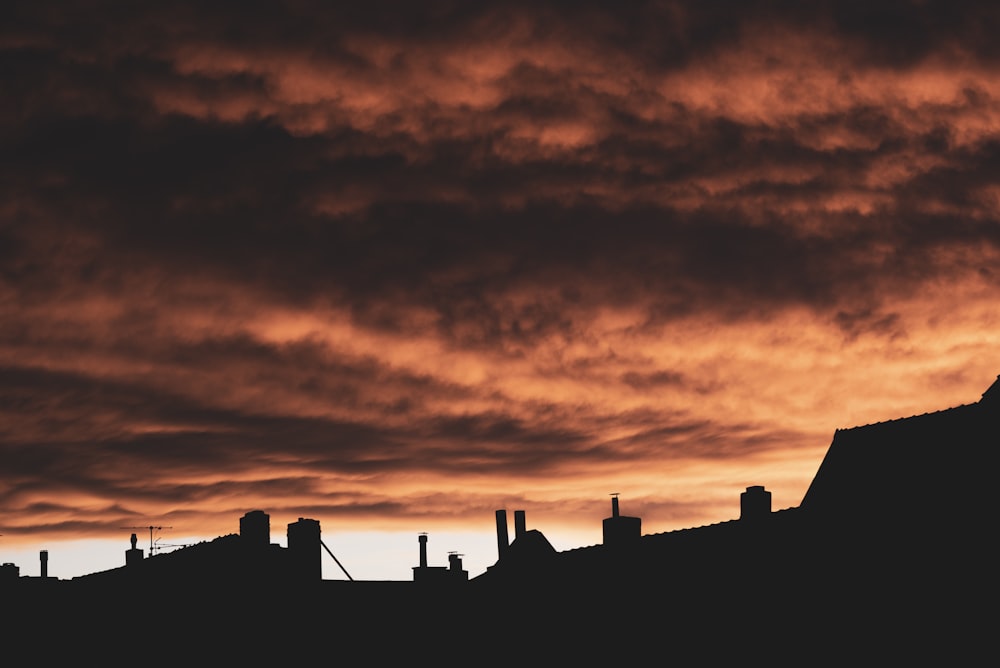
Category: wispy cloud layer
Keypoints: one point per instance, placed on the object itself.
(411, 261)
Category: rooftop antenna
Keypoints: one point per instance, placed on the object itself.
(160, 545)
(151, 528)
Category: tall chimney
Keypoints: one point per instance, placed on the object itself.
(423, 550)
(43, 556)
(503, 542)
(614, 504)
(519, 526)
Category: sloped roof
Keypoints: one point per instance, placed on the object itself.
(224, 559)
(992, 393)
(920, 469)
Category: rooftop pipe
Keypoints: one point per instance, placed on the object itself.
(423, 550)
(519, 526)
(503, 542)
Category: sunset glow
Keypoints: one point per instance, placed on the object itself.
(396, 266)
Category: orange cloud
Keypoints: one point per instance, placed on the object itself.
(388, 278)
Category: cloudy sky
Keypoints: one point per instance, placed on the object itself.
(396, 265)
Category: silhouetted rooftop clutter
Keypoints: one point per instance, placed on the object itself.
(453, 572)
(895, 524)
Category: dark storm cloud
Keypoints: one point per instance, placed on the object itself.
(202, 214)
(210, 192)
(195, 184)
(249, 247)
(59, 433)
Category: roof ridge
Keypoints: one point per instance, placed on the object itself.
(905, 417)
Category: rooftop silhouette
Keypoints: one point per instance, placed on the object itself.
(889, 544)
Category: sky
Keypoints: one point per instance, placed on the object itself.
(394, 266)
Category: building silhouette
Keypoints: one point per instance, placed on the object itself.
(888, 556)
(248, 558)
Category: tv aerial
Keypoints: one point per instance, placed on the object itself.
(151, 528)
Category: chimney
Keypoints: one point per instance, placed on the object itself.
(755, 503)
(255, 529)
(133, 555)
(519, 526)
(305, 550)
(455, 570)
(423, 550)
(43, 556)
(618, 529)
(503, 542)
